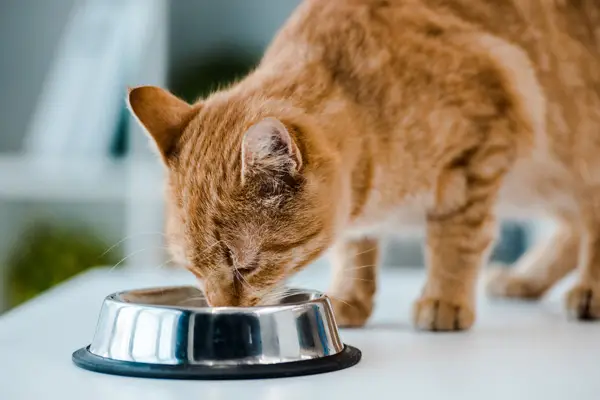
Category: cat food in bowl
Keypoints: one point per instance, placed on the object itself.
(172, 333)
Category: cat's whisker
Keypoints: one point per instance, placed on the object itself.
(272, 295)
(194, 298)
(360, 267)
(164, 264)
(209, 247)
(359, 279)
(274, 298)
(135, 235)
(277, 292)
(341, 300)
(244, 281)
(366, 251)
(133, 253)
(205, 250)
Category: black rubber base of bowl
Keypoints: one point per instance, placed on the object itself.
(346, 358)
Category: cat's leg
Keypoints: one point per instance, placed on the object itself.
(354, 280)
(583, 300)
(460, 230)
(540, 268)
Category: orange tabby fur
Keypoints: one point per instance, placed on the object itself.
(366, 116)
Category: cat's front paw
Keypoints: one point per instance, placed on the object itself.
(352, 313)
(583, 302)
(502, 282)
(432, 314)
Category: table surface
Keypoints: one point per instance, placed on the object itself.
(515, 351)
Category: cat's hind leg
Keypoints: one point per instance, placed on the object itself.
(540, 267)
(354, 280)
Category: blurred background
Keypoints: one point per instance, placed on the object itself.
(79, 186)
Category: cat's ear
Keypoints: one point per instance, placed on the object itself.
(268, 146)
(162, 114)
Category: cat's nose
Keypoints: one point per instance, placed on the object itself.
(221, 295)
(231, 294)
(226, 298)
(220, 300)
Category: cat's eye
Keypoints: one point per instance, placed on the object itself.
(228, 256)
(250, 267)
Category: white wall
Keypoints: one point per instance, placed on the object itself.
(28, 36)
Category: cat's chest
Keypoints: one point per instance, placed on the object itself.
(381, 218)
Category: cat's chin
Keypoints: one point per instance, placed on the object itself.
(200, 285)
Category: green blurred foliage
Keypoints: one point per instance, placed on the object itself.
(48, 255)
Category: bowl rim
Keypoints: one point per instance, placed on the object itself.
(320, 297)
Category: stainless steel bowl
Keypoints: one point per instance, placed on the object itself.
(171, 332)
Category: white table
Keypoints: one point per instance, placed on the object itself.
(516, 351)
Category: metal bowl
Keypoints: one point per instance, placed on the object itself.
(171, 332)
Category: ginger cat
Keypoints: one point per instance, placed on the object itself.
(365, 116)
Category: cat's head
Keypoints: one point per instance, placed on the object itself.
(251, 191)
